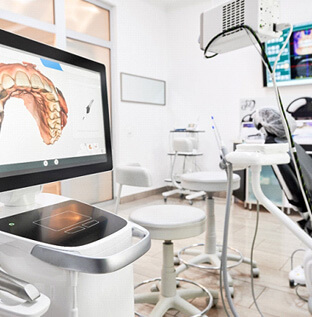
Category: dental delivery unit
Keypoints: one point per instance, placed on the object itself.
(59, 257)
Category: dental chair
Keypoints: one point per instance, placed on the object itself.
(19, 298)
(166, 223)
(269, 120)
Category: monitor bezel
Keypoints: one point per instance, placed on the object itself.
(14, 41)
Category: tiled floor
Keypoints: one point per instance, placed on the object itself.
(273, 248)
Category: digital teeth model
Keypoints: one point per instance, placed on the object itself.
(42, 99)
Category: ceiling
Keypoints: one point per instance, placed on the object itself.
(175, 2)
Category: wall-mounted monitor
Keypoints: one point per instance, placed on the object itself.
(295, 64)
(54, 118)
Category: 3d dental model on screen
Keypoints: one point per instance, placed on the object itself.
(42, 99)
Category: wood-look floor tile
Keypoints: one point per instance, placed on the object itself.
(273, 249)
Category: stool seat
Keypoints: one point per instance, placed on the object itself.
(170, 222)
(209, 182)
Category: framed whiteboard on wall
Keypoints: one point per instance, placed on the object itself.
(139, 89)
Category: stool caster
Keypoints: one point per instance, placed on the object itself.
(176, 261)
(310, 305)
(214, 302)
(154, 288)
(255, 272)
(231, 288)
(215, 298)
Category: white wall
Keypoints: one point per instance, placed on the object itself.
(200, 88)
(161, 41)
(140, 131)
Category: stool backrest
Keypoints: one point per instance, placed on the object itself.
(131, 175)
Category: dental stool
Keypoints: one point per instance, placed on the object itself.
(168, 223)
(210, 182)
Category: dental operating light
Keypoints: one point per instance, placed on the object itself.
(260, 15)
(236, 24)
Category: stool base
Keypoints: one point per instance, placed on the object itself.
(178, 302)
(200, 259)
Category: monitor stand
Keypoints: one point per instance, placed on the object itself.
(20, 197)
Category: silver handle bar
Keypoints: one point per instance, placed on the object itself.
(95, 265)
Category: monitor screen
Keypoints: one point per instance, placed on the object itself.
(295, 64)
(54, 118)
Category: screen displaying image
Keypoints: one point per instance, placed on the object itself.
(295, 64)
(301, 54)
(51, 113)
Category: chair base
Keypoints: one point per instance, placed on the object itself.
(178, 302)
(213, 259)
(211, 254)
(200, 259)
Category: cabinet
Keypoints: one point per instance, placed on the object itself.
(269, 185)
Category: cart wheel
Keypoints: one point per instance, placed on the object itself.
(292, 283)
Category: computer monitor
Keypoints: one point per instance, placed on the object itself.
(54, 117)
(295, 64)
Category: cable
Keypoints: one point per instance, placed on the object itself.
(260, 52)
(293, 153)
(221, 291)
(301, 297)
(229, 170)
(251, 260)
(292, 257)
(290, 141)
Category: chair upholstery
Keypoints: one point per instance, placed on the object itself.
(133, 175)
(170, 222)
(210, 182)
